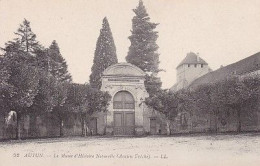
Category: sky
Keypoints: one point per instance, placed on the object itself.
(221, 32)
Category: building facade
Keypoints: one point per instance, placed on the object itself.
(127, 113)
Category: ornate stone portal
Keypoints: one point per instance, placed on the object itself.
(125, 83)
(127, 113)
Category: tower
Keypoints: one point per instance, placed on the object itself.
(190, 68)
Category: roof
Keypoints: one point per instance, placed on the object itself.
(192, 58)
(123, 69)
(247, 65)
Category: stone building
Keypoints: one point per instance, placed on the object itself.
(127, 113)
(190, 68)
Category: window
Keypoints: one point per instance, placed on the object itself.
(201, 65)
(195, 65)
(123, 100)
(188, 65)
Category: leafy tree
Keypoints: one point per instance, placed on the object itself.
(52, 61)
(24, 81)
(166, 103)
(84, 99)
(204, 103)
(61, 95)
(53, 83)
(76, 102)
(5, 88)
(105, 54)
(26, 39)
(235, 93)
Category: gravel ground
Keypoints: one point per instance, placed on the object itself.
(211, 150)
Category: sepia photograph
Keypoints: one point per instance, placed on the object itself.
(129, 82)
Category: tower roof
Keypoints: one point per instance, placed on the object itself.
(192, 58)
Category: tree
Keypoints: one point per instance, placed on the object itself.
(235, 93)
(26, 39)
(24, 81)
(60, 96)
(5, 88)
(85, 100)
(153, 85)
(58, 65)
(105, 54)
(204, 103)
(166, 103)
(53, 82)
(143, 49)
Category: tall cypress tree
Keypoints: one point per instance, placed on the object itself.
(105, 54)
(143, 49)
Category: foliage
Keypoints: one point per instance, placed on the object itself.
(105, 54)
(23, 79)
(26, 39)
(83, 98)
(143, 48)
(5, 88)
(235, 93)
(164, 102)
(58, 65)
(153, 85)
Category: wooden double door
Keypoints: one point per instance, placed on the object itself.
(124, 123)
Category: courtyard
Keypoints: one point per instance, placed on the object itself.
(243, 149)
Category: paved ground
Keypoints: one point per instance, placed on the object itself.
(179, 150)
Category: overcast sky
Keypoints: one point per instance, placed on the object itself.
(221, 31)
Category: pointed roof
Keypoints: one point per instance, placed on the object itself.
(192, 58)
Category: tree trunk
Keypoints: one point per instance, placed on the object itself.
(168, 124)
(84, 133)
(18, 126)
(239, 119)
(61, 127)
(216, 121)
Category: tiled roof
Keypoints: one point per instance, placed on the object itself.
(249, 64)
(192, 58)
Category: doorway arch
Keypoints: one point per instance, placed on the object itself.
(124, 115)
(123, 100)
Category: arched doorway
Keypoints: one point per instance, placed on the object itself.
(124, 115)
